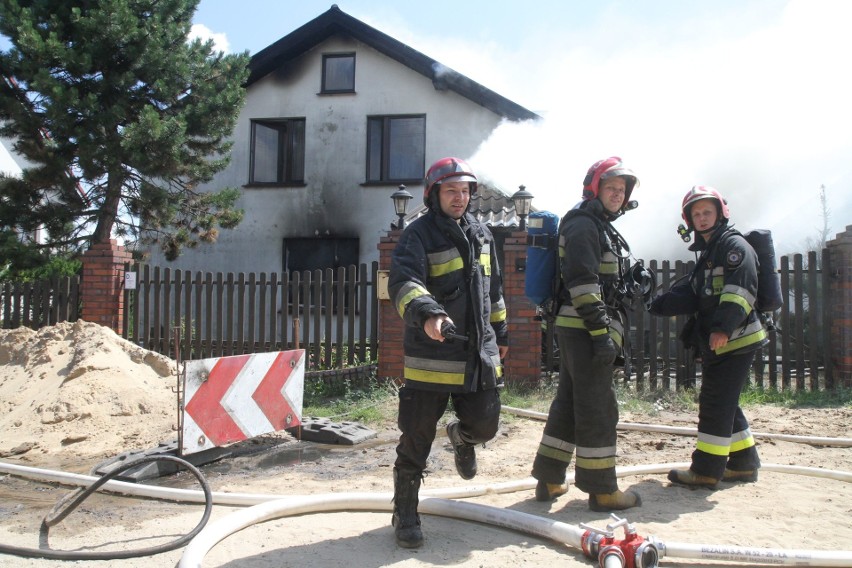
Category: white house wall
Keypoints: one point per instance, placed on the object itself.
(335, 198)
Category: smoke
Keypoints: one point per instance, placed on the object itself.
(762, 117)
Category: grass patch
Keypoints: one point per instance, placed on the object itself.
(754, 395)
(374, 403)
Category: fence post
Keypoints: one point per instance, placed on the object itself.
(390, 358)
(523, 363)
(839, 297)
(102, 294)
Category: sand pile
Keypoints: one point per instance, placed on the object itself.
(75, 394)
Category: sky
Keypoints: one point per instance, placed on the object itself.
(747, 96)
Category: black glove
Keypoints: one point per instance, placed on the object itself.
(603, 350)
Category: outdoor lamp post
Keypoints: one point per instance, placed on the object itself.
(523, 202)
(400, 204)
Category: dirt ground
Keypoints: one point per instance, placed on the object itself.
(123, 400)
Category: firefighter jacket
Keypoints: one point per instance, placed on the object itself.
(592, 263)
(720, 292)
(443, 267)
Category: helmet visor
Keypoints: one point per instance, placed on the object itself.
(464, 177)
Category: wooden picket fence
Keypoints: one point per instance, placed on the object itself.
(794, 358)
(333, 315)
(40, 303)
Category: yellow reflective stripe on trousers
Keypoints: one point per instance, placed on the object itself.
(741, 440)
(714, 445)
(555, 448)
(596, 458)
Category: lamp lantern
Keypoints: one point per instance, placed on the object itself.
(401, 197)
(523, 203)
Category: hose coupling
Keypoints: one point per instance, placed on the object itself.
(633, 551)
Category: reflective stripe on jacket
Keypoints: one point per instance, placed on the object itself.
(443, 267)
(725, 282)
(590, 270)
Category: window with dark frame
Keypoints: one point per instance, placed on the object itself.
(320, 253)
(396, 148)
(277, 151)
(338, 73)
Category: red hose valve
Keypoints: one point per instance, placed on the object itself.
(633, 551)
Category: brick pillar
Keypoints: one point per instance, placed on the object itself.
(839, 297)
(523, 364)
(102, 292)
(391, 326)
(524, 361)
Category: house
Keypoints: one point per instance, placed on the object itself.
(12, 164)
(337, 116)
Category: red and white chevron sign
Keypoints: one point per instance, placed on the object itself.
(231, 399)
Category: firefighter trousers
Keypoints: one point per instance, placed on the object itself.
(478, 413)
(724, 438)
(582, 419)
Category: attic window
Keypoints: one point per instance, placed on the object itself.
(338, 73)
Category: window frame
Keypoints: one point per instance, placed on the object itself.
(384, 164)
(324, 90)
(336, 245)
(286, 151)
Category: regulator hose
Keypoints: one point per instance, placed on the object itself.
(70, 502)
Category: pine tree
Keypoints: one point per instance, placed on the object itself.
(123, 120)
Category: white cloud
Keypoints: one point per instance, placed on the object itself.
(202, 32)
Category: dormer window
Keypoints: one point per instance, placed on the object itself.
(338, 73)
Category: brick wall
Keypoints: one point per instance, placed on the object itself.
(523, 363)
(390, 355)
(102, 289)
(839, 297)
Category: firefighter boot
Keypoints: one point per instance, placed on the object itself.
(549, 491)
(406, 520)
(615, 501)
(692, 479)
(465, 454)
(734, 476)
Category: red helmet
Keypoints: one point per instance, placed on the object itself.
(699, 192)
(448, 169)
(605, 169)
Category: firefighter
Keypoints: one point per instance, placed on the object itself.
(726, 329)
(590, 326)
(444, 275)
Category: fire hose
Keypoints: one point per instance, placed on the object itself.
(632, 551)
(71, 501)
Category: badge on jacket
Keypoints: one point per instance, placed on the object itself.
(734, 259)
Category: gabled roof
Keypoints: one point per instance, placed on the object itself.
(335, 21)
(489, 205)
